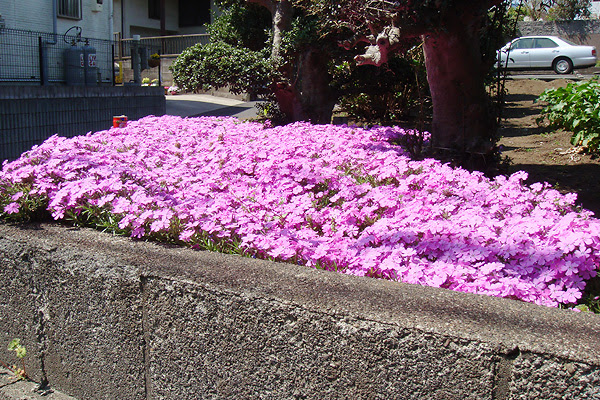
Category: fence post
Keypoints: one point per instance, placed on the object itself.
(159, 73)
(135, 60)
(42, 61)
(112, 63)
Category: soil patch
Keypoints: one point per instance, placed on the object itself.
(546, 155)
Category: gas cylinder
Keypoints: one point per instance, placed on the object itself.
(74, 66)
(90, 65)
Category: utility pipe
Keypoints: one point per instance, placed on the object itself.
(54, 22)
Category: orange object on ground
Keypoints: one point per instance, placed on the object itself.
(120, 121)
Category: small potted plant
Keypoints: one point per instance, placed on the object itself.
(154, 60)
(173, 90)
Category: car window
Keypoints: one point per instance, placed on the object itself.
(544, 43)
(569, 42)
(522, 44)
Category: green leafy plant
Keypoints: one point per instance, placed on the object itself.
(216, 65)
(575, 108)
(379, 95)
(20, 352)
(242, 25)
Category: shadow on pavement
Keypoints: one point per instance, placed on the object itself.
(241, 111)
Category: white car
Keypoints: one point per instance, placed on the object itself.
(545, 52)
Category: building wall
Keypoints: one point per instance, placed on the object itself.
(138, 23)
(36, 15)
(131, 18)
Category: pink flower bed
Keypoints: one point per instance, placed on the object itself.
(332, 197)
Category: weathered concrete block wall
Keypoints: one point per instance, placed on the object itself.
(105, 317)
(31, 114)
(582, 32)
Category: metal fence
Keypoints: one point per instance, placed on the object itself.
(39, 57)
(165, 45)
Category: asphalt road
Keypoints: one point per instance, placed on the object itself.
(195, 105)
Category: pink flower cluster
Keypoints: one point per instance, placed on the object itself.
(333, 197)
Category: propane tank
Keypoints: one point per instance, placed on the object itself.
(90, 65)
(74, 66)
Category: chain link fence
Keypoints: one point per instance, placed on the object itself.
(40, 57)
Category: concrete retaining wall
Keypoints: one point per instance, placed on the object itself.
(105, 317)
(31, 114)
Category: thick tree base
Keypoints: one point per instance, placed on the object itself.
(490, 164)
(464, 125)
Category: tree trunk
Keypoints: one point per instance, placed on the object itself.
(310, 96)
(288, 100)
(304, 95)
(282, 21)
(286, 94)
(463, 126)
(318, 98)
(304, 92)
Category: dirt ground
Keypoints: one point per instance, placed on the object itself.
(546, 155)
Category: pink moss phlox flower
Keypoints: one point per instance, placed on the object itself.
(12, 208)
(334, 197)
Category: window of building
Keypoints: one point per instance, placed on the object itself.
(194, 12)
(69, 9)
(154, 9)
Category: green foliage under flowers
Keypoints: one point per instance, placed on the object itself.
(591, 303)
(575, 108)
(216, 65)
(34, 208)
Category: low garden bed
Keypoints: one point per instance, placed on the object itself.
(333, 197)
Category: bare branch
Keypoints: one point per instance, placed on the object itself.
(356, 39)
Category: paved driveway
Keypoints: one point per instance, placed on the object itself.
(194, 105)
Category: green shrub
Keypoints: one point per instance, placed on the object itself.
(242, 25)
(216, 65)
(575, 108)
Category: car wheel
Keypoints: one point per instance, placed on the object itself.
(563, 65)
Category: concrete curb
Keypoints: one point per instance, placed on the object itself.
(114, 318)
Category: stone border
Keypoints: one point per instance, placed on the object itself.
(106, 317)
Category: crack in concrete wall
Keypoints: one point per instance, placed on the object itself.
(146, 337)
(503, 374)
